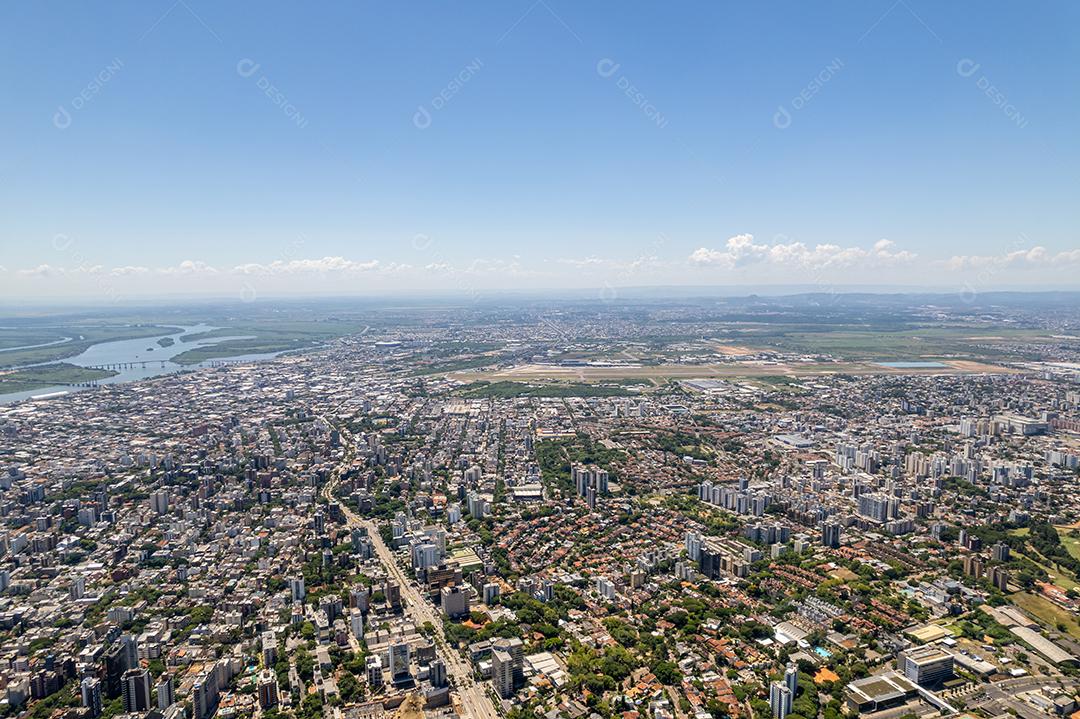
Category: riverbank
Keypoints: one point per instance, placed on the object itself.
(50, 375)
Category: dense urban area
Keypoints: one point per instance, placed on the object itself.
(658, 509)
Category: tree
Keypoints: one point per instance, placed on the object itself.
(350, 688)
(201, 614)
(667, 672)
(311, 707)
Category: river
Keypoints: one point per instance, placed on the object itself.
(140, 359)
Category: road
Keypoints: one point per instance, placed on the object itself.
(475, 702)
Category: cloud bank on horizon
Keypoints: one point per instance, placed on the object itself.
(740, 260)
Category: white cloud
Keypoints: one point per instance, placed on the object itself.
(643, 263)
(189, 267)
(780, 261)
(742, 251)
(481, 266)
(42, 271)
(612, 268)
(45, 270)
(583, 262)
(325, 264)
(1037, 256)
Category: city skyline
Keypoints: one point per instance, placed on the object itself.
(530, 508)
(539, 360)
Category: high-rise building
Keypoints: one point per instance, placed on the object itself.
(830, 535)
(114, 670)
(973, 566)
(159, 502)
(359, 598)
(269, 648)
(926, 665)
(586, 478)
(454, 602)
(165, 694)
(90, 688)
(392, 591)
(999, 577)
(204, 694)
(296, 589)
(131, 651)
(478, 506)
(331, 606)
(425, 555)
(791, 680)
(502, 673)
(875, 507)
(693, 546)
(136, 690)
(779, 700)
(356, 623)
(399, 662)
(437, 674)
(374, 672)
(268, 689)
(515, 649)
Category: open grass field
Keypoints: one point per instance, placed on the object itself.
(532, 372)
(1057, 577)
(265, 336)
(49, 375)
(1047, 612)
(905, 344)
(240, 347)
(509, 390)
(11, 337)
(1071, 544)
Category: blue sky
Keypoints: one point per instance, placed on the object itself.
(192, 145)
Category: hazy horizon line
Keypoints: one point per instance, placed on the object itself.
(607, 294)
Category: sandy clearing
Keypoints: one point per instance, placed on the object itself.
(530, 372)
(981, 367)
(732, 350)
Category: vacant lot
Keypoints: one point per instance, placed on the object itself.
(1047, 612)
(528, 372)
(1071, 543)
(921, 343)
(509, 390)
